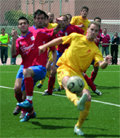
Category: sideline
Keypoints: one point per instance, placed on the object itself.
(96, 101)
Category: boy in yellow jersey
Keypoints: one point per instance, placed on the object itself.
(4, 40)
(76, 60)
(81, 21)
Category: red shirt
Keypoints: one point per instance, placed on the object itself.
(97, 41)
(27, 47)
(68, 30)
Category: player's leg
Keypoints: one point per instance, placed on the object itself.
(31, 76)
(51, 80)
(83, 104)
(17, 89)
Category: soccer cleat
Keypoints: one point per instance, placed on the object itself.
(25, 104)
(28, 116)
(81, 102)
(22, 114)
(46, 93)
(16, 110)
(39, 85)
(78, 131)
(98, 92)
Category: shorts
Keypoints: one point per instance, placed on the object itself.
(39, 74)
(59, 54)
(20, 72)
(63, 71)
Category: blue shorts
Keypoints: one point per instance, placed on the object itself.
(39, 74)
(59, 54)
(20, 72)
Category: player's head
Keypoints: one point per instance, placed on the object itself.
(84, 11)
(69, 16)
(46, 20)
(39, 18)
(51, 17)
(64, 20)
(93, 30)
(23, 24)
(97, 19)
(2, 30)
(105, 31)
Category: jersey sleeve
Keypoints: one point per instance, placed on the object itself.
(73, 21)
(98, 57)
(66, 39)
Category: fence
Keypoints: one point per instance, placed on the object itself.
(108, 10)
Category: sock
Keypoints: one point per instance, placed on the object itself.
(83, 114)
(90, 82)
(93, 75)
(72, 97)
(51, 83)
(18, 96)
(29, 84)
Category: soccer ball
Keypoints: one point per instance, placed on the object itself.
(75, 84)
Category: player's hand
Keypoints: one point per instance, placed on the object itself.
(41, 49)
(14, 34)
(108, 59)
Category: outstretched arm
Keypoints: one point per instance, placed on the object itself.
(103, 64)
(54, 42)
(13, 48)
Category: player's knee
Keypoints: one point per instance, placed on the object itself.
(27, 73)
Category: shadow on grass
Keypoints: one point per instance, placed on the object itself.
(57, 118)
(102, 136)
(108, 87)
(41, 126)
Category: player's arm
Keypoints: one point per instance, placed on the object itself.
(52, 43)
(103, 64)
(13, 48)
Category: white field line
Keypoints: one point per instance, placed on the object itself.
(96, 101)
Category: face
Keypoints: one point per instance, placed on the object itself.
(51, 17)
(84, 13)
(23, 26)
(92, 32)
(98, 20)
(2, 31)
(39, 21)
(46, 22)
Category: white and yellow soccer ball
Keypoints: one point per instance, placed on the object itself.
(75, 84)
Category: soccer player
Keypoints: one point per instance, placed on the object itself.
(66, 30)
(90, 80)
(81, 21)
(39, 23)
(50, 74)
(76, 60)
(34, 65)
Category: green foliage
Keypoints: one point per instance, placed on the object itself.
(12, 17)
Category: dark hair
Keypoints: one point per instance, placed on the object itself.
(2, 29)
(39, 12)
(69, 16)
(23, 18)
(96, 23)
(97, 18)
(85, 7)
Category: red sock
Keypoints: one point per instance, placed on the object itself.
(51, 83)
(18, 96)
(29, 84)
(90, 82)
(93, 75)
